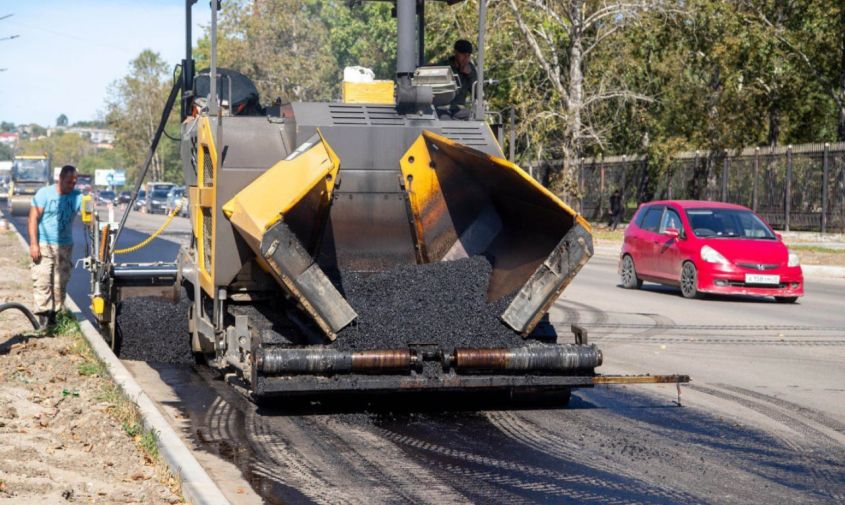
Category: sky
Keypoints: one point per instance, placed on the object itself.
(70, 51)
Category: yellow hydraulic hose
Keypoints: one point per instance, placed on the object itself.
(155, 234)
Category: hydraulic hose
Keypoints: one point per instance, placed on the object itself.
(156, 233)
(22, 308)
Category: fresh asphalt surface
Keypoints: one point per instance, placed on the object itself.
(763, 420)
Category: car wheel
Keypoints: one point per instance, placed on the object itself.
(786, 299)
(689, 281)
(629, 274)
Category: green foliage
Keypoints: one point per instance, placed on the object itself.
(90, 368)
(6, 152)
(61, 120)
(134, 108)
(63, 148)
(654, 76)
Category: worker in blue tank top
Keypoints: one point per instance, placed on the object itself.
(51, 243)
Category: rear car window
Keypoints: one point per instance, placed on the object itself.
(651, 220)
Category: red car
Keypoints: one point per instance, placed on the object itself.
(708, 247)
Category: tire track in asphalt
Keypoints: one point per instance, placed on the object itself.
(825, 481)
(514, 474)
(530, 433)
(816, 416)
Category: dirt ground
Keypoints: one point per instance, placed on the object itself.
(66, 434)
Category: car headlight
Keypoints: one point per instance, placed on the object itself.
(711, 255)
(793, 260)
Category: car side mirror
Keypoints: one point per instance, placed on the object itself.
(672, 233)
(779, 236)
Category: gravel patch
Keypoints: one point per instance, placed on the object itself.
(155, 330)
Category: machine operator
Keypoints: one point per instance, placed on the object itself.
(465, 70)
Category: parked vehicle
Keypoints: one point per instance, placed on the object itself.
(83, 183)
(156, 201)
(157, 196)
(708, 247)
(105, 196)
(173, 197)
(123, 197)
(141, 201)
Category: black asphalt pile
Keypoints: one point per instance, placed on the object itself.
(441, 303)
(155, 330)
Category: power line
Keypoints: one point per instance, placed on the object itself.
(9, 37)
(6, 16)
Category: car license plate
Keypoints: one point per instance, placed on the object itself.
(762, 279)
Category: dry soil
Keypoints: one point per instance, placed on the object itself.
(59, 438)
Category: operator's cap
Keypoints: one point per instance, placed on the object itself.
(463, 46)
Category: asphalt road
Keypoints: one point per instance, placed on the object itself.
(763, 420)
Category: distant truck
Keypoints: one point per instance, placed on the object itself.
(29, 174)
(156, 201)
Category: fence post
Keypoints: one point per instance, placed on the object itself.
(726, 164)
(825, 176)
(671, 178)
(581, 185)
(788, 203)
(754, 184)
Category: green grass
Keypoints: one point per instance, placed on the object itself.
(66, 324)
(90, 368)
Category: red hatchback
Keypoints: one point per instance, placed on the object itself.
(708, 247)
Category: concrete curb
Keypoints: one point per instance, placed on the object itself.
(197, 486)
(823, 271)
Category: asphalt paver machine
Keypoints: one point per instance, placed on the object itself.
(284, 200)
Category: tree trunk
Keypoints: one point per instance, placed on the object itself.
(774, 122)
(575, 98)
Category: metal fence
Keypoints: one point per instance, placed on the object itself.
(799, 187)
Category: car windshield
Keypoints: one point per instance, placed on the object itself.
(106, 194)
(160, 193)
(31, 170)
(728, 223)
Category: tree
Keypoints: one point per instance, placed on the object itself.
(561, 39)
(281, 45)
(61, 120)
(6, 152)
(133, 110)
(64, 149)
